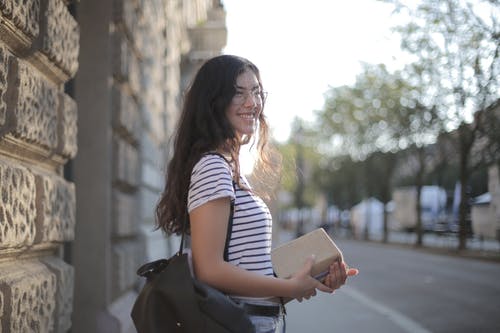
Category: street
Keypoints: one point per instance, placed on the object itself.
(404, 290)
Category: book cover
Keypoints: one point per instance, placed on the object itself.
(291, 256)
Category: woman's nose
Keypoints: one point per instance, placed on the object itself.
(250, 100)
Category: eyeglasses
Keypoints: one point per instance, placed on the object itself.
(241, 96)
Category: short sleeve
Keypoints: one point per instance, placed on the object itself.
(211, 179)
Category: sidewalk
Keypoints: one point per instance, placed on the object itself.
(488, 249)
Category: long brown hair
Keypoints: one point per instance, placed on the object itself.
(204, 127)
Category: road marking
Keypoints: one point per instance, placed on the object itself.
(407, 324)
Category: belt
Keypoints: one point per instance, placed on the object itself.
(262, 310)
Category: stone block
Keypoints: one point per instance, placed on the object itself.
(56, 209)
(126, 163)
(61, 39)
(120, 56)
(64, 292)
(126, 116)
(36, 110)
(17, 208)
(24, 15)
(4, 67)
(127, 14)
(148, 200)
(157, 126)
(134, 74)
(151, 151)
(125, 214)
(151, 176)
(150, 37)
(125, 264)
(67, 126)
(28, 294)
(126, 67)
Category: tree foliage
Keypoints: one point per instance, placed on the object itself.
(299, 160)
(457, 45)
(383, 111)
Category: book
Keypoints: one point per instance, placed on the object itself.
(288, 258)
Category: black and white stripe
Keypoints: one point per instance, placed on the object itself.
(250, 243)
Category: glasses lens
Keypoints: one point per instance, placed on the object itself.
(257, 96)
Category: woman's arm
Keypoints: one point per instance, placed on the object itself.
(208, 236)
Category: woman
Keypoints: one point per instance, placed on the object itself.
(222, 111)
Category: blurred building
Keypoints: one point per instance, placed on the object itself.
(89, 95)
(433, 205)
(485, 208)
(367, 218)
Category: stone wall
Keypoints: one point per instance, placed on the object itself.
(39, 45)
(104, 78)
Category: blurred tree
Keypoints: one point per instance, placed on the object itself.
(380, 168)
(457, 44)
(373, 115)
(299, 160)
(298, 141)
(490, 130)
(384, 112)
(341, 180)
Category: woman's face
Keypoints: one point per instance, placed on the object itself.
(246, 105)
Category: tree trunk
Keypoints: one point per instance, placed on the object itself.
(466, 139)
(418, 205)
(462, 208)
(386, 229)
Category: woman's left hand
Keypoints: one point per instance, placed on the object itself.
(338, 274)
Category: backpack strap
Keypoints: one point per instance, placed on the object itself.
(229, 227)
(229, 222)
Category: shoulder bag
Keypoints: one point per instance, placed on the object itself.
(172, 300)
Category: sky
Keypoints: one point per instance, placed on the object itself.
(304, 47)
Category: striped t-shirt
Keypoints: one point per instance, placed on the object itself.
(250, 242)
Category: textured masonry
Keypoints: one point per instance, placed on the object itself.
(126, 67)
(126, 117)
(17, 208)
(39, 46)
(61, 42)
(55, 209)
(125, 263)
(36, 110)
(28, 291)
(126, 159)
(64, 274)
(67, 126)
(124, 214)
(22, 15)
(3, 83)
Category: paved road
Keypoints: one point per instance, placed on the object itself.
(404, 290)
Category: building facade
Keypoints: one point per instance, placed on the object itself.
(89, 95)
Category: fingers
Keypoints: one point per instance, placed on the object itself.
(310, 293)
(343, 273)
(309, 264)
(336, 277)
(324, 288)
(352, 272)
(338, 274)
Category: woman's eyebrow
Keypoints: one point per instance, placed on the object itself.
(244, 88)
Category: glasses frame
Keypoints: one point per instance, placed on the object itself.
(258, 96)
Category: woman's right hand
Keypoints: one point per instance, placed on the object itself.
(304, 285)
